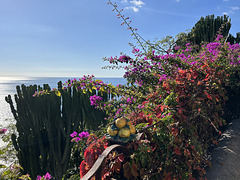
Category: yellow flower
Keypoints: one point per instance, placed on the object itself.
(58, 93)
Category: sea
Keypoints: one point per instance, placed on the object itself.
(8, 87)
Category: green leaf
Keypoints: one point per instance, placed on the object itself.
(124, 139)
(2, 166)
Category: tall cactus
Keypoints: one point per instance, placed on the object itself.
(234, 40)
(44, 125)
(205, 30)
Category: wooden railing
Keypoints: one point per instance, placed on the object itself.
(97, 167)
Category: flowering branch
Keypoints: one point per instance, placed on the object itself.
(128, 24)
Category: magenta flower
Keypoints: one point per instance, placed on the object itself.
(77, 139)
(119, 111)
(130, 100)
(39, 177)
(74, 134)
(163, 77)
(124, 58)
(95, 99)
(84, 134)
(219, 37)
(80, 135)
(47, 176)
(87, 134)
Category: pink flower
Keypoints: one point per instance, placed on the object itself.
(2, 131)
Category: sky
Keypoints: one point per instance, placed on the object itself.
(69, 38)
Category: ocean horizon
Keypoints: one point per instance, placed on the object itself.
(8, 87)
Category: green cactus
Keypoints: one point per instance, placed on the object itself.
(44, 124)
(205, 30)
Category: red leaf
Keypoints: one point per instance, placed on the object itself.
(177, 150)
(180, 111)
(181, 71)
(84, 167)
(162, 108)
(209, 97)
(121, 157)
(215, 142)
(116, 166)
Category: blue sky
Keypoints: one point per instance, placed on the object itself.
(69, 38)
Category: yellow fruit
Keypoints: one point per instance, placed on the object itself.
(121, 122)
(124, 132)
(132, 129)
(111, 132)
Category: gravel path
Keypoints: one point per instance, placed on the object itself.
(226, 156)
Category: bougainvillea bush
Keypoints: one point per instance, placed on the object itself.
(177, 99)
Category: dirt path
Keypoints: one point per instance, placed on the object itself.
(226, 156)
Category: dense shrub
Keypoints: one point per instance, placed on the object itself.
(178, 99)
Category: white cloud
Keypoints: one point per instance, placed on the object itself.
(227, 13)
(137, 3)
(134, 5)
(235, 8)
(178, 0)
(135, 9)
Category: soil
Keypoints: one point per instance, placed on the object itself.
(226, 156)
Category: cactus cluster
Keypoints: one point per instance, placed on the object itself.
(44, 124)
(121, 130)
